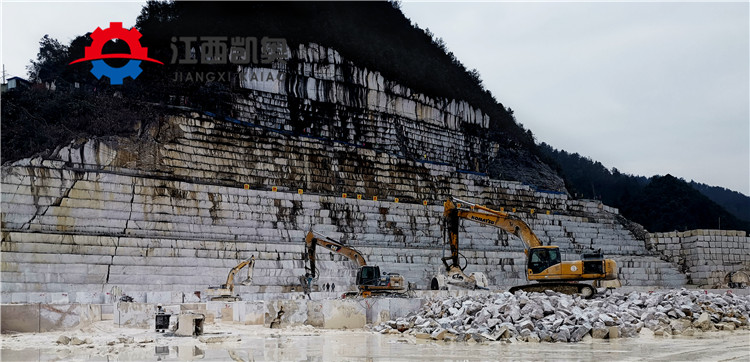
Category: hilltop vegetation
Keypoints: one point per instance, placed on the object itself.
(661, 203)
(375, 35)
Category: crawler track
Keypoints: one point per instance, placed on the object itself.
(585, 290)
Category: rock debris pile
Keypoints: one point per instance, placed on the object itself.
(555, 317)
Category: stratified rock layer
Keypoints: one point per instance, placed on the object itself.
(321, 94)
(707, 256)
(154, 217)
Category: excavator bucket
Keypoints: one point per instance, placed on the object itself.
(250, 268)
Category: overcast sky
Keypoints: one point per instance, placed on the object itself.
(648, 88)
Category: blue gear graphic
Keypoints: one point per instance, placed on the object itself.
(116, 75)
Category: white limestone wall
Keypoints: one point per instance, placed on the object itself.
(706, 255)
(169, 215)
(218, 152)
(320, 94)
(146, 235)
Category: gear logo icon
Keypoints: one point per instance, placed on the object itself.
(100, 68)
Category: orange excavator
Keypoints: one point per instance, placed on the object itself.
(225, 292)
(543, 262)
(369, 280)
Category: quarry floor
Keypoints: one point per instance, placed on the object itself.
(221, 342)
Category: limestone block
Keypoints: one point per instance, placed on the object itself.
(90, 297)
(190, 324)
(343, 314)
(23, 318)
(159, 297)
(134, 315)
(379, 310)
(61, 317)
(218, 310)
(87, 194)
(249, 312)
(315, 316)
(283, 313)
(401, 307)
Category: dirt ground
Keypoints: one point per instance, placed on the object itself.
(103, 341)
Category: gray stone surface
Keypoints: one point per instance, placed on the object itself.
(707, 255)
(36, 318)
(614, 316)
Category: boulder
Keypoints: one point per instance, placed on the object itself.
(600, 332)
(703, 322)
(614, 332)
(579, 332)
(438, 334)
(75, 341)
(563, 335)
(63, 340)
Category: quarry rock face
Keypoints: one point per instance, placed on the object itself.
(167, 213)
(495, 317)
(96, 231)
(321, 94)
(706, 255)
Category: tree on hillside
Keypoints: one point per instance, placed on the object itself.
(735, 202)
(660, 204)
(668, 203)
(50, 62)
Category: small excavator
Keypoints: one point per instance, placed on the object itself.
(369, 280)
(543, 263)
(225, 292)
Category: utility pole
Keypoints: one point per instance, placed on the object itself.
(4, 73)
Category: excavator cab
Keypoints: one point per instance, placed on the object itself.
(368, 275)
(541, 258)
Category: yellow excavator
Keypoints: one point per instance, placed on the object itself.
(225, 292)
(369, 280)
(543, 263)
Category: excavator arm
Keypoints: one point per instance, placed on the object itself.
(225, 292)
(313, 239)
(455, 211)
(250, 263)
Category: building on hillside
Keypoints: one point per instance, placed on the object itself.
(15, 83)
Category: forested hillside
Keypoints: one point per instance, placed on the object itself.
(371, 34)
(733, 201)
(661, 203)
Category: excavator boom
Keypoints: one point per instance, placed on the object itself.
(250, 263)
(313, 239)
(453, 212)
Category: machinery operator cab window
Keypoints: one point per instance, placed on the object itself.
(542, 259)
(368, 274)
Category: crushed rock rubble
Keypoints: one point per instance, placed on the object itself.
(556, 317)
